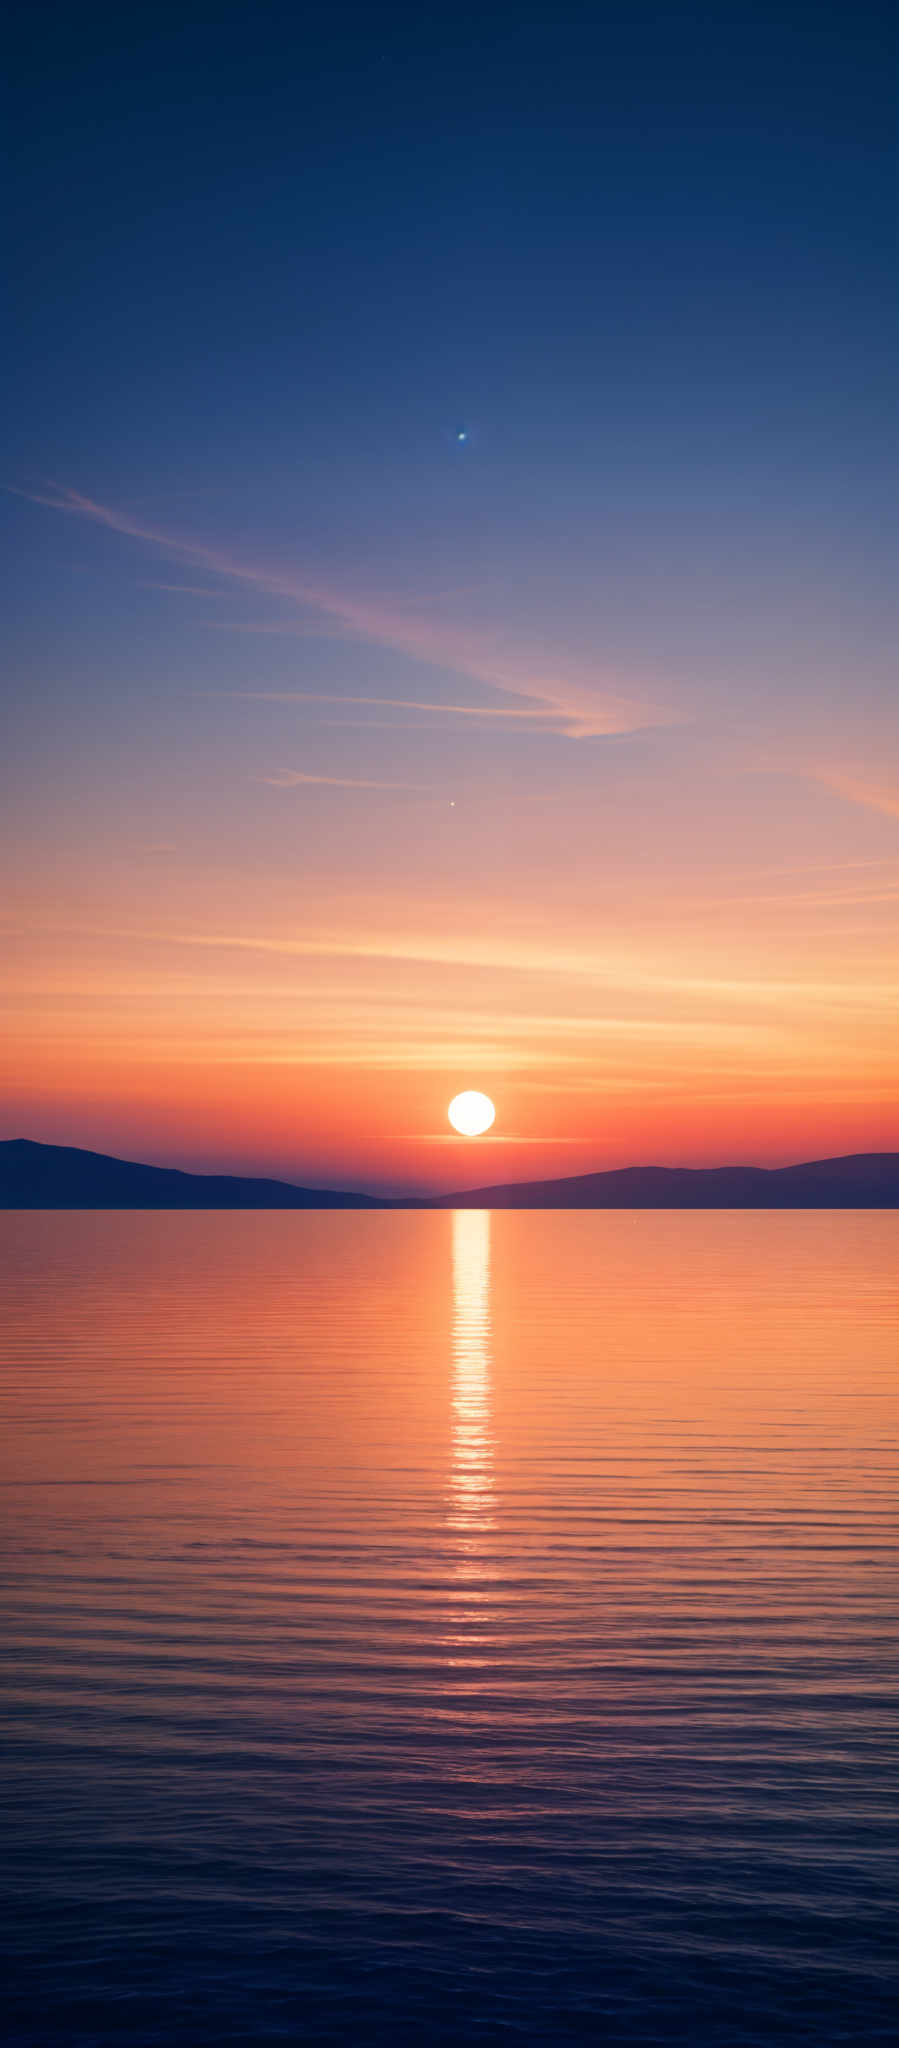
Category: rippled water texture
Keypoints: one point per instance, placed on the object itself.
(450, 1627)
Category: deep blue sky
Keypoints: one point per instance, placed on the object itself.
(600, 223)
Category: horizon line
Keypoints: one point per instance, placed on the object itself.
(409, 1199)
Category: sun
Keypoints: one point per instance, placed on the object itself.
(471, 1113)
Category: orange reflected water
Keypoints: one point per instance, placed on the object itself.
(492, 1594)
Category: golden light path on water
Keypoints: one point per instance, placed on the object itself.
(472, 1495)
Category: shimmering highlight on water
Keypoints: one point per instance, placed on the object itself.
(447, 1627)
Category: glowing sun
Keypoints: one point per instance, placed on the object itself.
(471, 1113)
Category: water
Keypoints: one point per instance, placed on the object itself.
(450, 1627)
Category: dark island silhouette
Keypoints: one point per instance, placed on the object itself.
(34, 1176)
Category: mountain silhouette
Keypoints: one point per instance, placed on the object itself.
(34, 1176)
(863, 1180)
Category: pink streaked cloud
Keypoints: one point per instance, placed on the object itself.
(584, 701)
(530, 713)
(857, 789)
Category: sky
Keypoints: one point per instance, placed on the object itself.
(450, 624)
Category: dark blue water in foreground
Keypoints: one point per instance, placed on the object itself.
(450, 1627)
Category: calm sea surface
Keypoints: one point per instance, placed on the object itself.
(450, 1627)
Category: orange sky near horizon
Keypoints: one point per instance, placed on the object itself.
(165, 1008)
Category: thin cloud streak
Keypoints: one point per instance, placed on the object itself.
(530, 713)
(183, 589)
(856, 790)
(495, 955)
(293, 779)
(494, 1138)
(292, 629)
(588, 706)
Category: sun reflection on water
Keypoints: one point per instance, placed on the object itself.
(472, 1497)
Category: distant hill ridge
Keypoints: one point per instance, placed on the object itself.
(34, 1176)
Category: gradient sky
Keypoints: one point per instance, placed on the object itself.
(354, 762)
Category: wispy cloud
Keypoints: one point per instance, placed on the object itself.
(530, 713)
(486, 1143)
(498, 955)
(586, 702)
(292, 778)
(320, 628)
(184, 589)
(857, 790)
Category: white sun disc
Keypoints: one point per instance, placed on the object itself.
(471, 1113)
